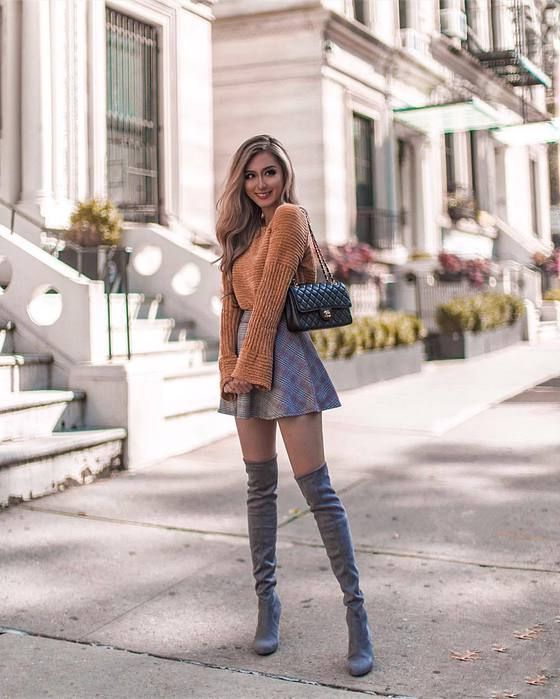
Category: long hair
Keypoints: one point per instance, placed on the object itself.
(239, 218)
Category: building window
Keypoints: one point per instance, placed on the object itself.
(405, 19)
(450, 162)
(534, 176)
(132, 117)
(364, 168)
(473, 162)
(360, 11)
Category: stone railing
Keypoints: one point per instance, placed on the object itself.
(54, 309)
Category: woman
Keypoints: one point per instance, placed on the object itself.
(270, 375)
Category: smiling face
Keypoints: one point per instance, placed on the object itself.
(264, 182)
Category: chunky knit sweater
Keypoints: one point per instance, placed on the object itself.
(260, 280)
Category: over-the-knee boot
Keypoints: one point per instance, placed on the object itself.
(334, 528)
(262, 479)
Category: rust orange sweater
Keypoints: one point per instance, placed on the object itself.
(260, 280)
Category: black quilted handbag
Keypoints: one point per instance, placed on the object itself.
(319, 305)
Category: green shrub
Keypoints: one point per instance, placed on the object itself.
(95, 222)
(388, 329)
(479, 312)
(552, 295)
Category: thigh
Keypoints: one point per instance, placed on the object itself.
(303, 439)
(257, 438)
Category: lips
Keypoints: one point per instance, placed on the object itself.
(263, 196)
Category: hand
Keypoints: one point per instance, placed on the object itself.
(237, 386)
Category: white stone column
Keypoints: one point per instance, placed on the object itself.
(10, 184)
(502, 19)
(36, 110)
(61, 75)
(428, 192)
(96, 100)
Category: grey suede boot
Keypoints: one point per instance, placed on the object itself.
(334, 528)
(262, 479)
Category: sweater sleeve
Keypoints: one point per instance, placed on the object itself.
(288, 241)
(229, 322)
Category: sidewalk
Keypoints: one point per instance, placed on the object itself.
(140, 585)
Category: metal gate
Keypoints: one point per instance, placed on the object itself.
(132, 117)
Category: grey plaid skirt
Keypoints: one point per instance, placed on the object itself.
(300, 383)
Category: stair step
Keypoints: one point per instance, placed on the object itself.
(118, 306)
(24, 372)
(7, 328)
(191, 391)
(38, 466)
(146, 335)
(183, 330)
(28, 414)
(151, 306)
(187, 353)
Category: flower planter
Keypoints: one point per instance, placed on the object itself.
(104, 262)
(470, 344)
(376, 365)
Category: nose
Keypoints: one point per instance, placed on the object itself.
(261, 185)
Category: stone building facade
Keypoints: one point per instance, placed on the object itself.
(362, 94)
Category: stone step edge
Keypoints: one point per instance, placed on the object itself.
(24, 400)
(25, 359)
(23, 451)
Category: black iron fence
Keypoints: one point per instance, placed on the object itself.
(109, 264)
(380, 228)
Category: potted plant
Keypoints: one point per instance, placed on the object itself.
(371, 349)
(473, 325)
(351, 262)
(93, 237)
(461, 205)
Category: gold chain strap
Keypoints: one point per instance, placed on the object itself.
(326, 271)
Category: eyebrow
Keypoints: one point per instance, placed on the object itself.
(268, 167)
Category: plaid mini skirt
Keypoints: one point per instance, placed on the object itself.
(300, 382)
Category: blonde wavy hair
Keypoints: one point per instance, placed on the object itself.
(239, 218)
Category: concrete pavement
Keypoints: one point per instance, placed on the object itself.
(140, 585)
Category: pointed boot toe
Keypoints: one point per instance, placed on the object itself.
(267, 634)
(360, 649)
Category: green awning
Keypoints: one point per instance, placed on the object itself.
(468, 115)
(539, 76)
(527, 134)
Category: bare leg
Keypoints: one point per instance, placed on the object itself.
(303, 439)
(257, 438)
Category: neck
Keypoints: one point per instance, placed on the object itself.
(268, 213)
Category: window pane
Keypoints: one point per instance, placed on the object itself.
(360, 11)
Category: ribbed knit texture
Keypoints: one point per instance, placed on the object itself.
(260, 281)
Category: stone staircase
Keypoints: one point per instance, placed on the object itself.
(152, 332)
(43, 445)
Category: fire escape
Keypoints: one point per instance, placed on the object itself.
(518, 64)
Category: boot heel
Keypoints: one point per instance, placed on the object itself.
(267, 633)
(360, 650)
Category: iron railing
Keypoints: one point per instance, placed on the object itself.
(380, 228)
(132, 117)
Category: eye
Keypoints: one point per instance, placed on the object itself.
(271, 172)
(248, 175)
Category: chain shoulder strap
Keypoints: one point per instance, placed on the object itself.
(326, 271)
